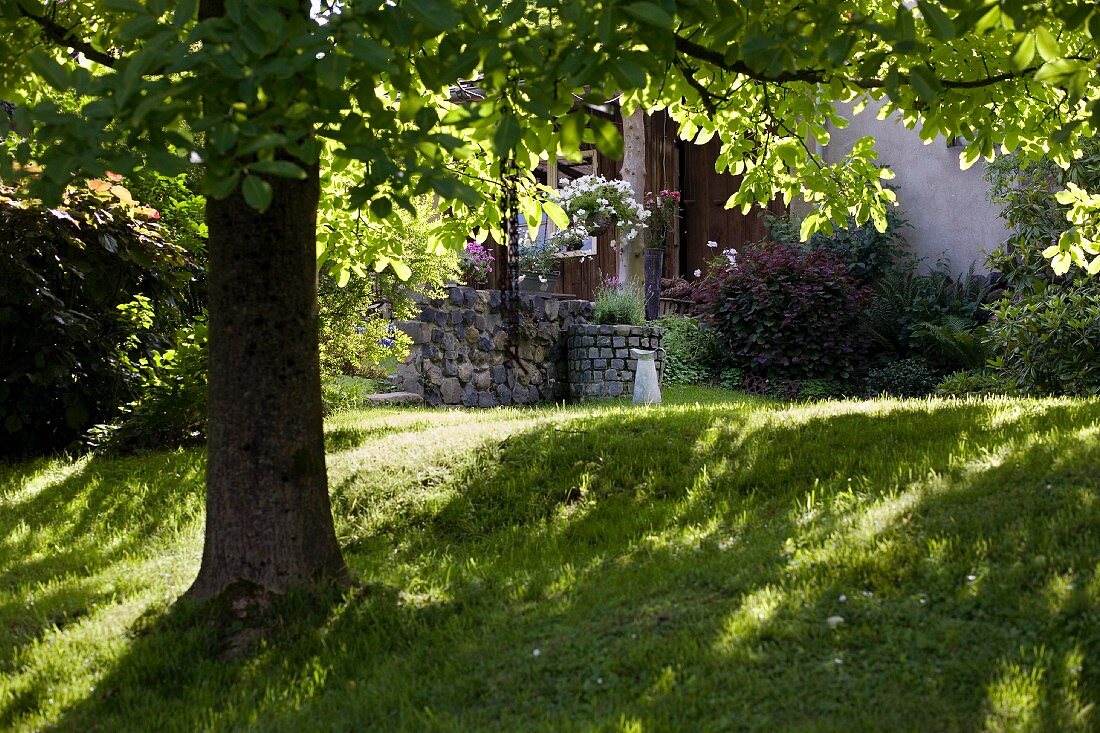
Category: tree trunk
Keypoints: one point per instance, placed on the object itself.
(268, 518)
(631, 265)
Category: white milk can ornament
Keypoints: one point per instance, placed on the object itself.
(647, 388)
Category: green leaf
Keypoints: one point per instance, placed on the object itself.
(434, 14)
(939, 23)
(628, 74)
(267, 140)
(925, 83)
(1058, 70)
(452, 190)
(53, 73)
(381, 207)
(1062, 134)
(1048, 45)
(219, 188)
(184, 12)
(571, 134)
(372, 53)
(990, 19)
(332, 70)
(257, 192)
(403, 271)
(556, 214)
(281, 168)
(506, 135)
(838, 49)
(141, 26)
(125, 6)
(650, 14)
(905, 26)
(1025, 53)
(609, 140)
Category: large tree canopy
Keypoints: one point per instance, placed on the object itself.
(261, 90)
(386, 100)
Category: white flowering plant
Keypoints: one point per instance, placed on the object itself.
(571, 238)
(538, 256)
(726, 259)
(594, 204)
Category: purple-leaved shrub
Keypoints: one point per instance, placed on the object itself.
(785, 312)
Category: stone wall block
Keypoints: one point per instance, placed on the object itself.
(451, 391)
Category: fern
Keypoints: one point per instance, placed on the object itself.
(954, 342)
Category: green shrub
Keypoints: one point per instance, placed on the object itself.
(782, 312)
(618, 303)
(343, 393)
(1047, 341)
(971, 382)
(358, 307)
(732, 379)
(813, 390)
(355, 336)
(954, 342)
(689, 350)
(67, 350)
(912, 377)
(934, 315)
(869, 253)
(1025, 192)
(171, 409)
(1045, 331)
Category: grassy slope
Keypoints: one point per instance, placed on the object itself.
(673, 568)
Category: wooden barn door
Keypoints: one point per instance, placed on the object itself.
(705, 218)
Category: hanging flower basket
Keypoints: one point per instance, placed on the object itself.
(598, 224)
(595, 204)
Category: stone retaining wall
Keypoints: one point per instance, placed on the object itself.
(461, 353)
(599, 361)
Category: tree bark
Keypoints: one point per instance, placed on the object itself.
(631, 265)
(268, 518)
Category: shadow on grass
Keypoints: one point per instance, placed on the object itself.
(59, 533)
(674, 570)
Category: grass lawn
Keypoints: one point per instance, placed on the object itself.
(716, 563)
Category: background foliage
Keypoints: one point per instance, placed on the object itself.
(87, 289)
(359, 304)
(691, 351)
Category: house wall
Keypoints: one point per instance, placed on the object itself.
(674, 164)
(662, 171)
(947, 208)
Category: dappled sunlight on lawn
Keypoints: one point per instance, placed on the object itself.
(739, 564)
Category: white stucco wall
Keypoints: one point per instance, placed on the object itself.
(947, 208)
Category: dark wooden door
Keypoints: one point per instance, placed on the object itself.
(705, 216)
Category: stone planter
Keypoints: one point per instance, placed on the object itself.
(599, 365)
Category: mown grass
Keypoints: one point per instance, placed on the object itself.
(595, 568)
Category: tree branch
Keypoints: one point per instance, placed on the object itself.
(62, 36)
(817, 76)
